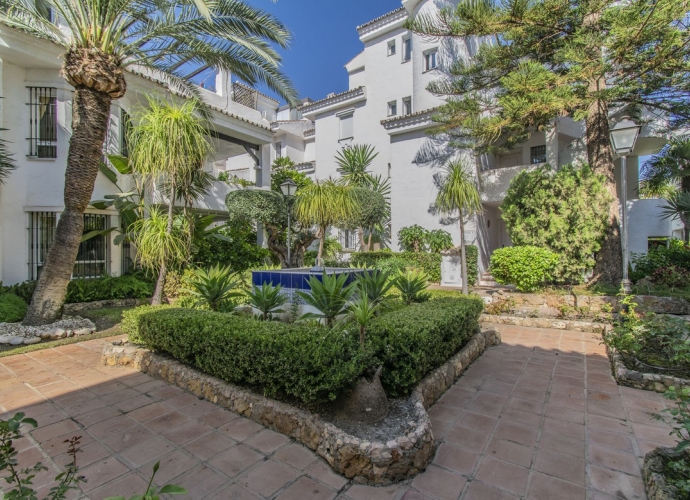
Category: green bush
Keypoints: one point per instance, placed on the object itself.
(130, 321)
(413, 238)
(677, 254)
(12, 308)
(526, 267)
(300, 361)
(564, 210)
(236, 248)
(129, 286)
(672, 276)
(430, 263)
(413, 341)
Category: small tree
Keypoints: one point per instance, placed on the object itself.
(325, 204)
(413, 238)
(563, 210)
(458, 193)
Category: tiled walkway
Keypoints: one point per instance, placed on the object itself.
(538, 417)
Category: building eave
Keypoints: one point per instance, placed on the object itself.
(335, 101)
(391, 20)
(408, 123)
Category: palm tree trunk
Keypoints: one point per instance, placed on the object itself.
(162, 272)
(90, 113)
(463, 256)
(362, 242)
(322, 237)
(371, 232)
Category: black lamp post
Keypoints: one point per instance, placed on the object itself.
(289, 188)
(623, 137)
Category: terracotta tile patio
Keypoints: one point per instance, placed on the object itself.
(538, 417)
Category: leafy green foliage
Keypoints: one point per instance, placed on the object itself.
(288, 360)
(7, 164)
(21, 480)
(416, 339)
(412, 285)
(413, 238)
(215, 286)
(679, 418)
(526, 267)
(371, 209)
(234, 180)
(233, 245)
(328, 295)
(676, 254)
(268, 299)
(331, 250)
(361, 311)
(353, 163)
(439, 240)
(154, 492)
(282, 163)
(672, 276)
(284, 174)
(130, 321)
(12, 308)
(128, 286)
(375, 285)
(564, 210)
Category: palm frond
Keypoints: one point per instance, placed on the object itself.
(7, 164)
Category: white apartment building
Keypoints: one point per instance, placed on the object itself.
(35, 108)
(387, 105)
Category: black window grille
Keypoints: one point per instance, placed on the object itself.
(126, 260)
(537, 154)
(125, 127)
(93, 257)
(41, 234)
(348, 239)
(42, 122)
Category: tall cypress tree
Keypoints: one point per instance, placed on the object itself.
(543, 59)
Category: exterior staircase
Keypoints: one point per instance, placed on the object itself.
(487, 280)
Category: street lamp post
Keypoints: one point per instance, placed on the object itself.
(289, 188)
(623, 137)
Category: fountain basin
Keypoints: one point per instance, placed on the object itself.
(298, 278)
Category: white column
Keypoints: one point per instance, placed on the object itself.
(552, 144)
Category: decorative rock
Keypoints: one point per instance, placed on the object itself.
(55, 333)
(82, 331)
(32, 340)
(639, 380)
(69, 333)
(5, 339)
(17, 341)
(653, 473)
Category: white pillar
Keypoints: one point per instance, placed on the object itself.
(552, 144)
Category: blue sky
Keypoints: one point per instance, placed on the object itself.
(325, 39)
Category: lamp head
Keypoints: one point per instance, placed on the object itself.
(289, 188)
(623, 136)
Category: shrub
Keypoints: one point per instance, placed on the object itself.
(215, 286)
(130, 321)
(12, 308)
(234, 246)
(672, 276)
(412, 341)
(439, 240)
(677, 254)
(411, 285)
(329, 296)
(526, 267)
(413, 238)
(299, 361)
(564, 210)
(268, 299)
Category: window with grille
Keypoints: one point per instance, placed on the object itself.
(93, 257)
(41, 234)
(537, 154)
(42, 122)
(279, 149)
(348, 239)
(430, 60)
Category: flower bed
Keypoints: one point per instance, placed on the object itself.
(658, 466)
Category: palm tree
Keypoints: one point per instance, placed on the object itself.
(6, 162)
(324, 204)
(458, 192)
(353, 163)
(168, 142)
(174, 39)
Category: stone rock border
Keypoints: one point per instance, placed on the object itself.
(374, 463)
(558, 324)
(77, 307)
(640, 380)
(653, 474)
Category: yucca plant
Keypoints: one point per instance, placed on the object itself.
(215, 286)
(375, 285)
(330, 297)
(412, 284)
(268, 299)
(362, 311)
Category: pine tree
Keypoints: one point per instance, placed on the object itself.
(544, 59)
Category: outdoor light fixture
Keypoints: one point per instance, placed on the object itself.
(289, 188)
(623, 137)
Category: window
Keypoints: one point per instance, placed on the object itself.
(407, 105)
(391, 48)
(392, 108)
(279, 149)
(347, 126)
(41, 234)
(430, 60)
(407, 49)
(93, 257)
(348, 239)
(537, 154)
(42, 122)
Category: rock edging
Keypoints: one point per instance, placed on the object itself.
(375, 463)
(77, 307)
(640, 380)
(558, 324)
(653, 473)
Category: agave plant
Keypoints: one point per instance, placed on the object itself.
(268, 299)
(215, 286)
(412, 284)
(375, 285)
(330, 296)
(362, 311)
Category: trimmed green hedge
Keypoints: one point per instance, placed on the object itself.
(12, 308)
(430, 263)
(308, 362)
(415, 340)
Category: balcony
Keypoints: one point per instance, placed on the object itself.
(494, 183)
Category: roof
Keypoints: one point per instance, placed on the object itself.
(332, 97)
(309, 132)
(380, 18)
(305, 165)
(253, 89)
(405, 117)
